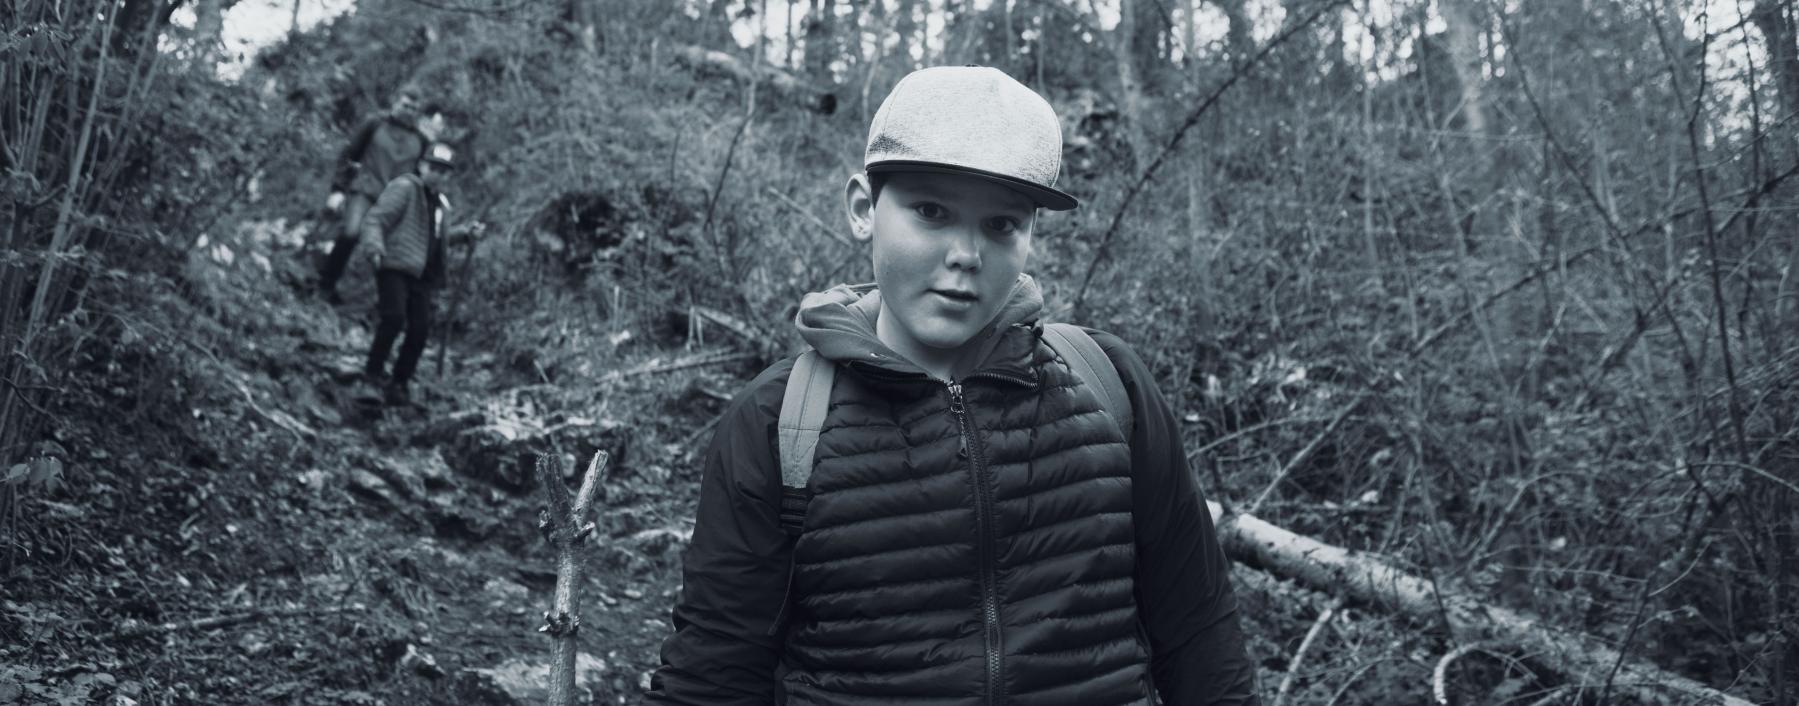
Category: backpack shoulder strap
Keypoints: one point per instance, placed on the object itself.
(803, 408)
(1091, 365)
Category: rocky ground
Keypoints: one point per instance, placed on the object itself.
(239, 522)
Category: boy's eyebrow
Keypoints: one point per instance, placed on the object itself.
(1019, 204)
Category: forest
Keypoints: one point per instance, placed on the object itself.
(1478, 316)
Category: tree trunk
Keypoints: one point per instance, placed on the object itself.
(1775, 20)
(1130, 93)
(1189, 33)
(906, 22)
(1464, 24)
(820, 45)
(209, 26)
(580, 15)
(1237, 38)
(1363, 577)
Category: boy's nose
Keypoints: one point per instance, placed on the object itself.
(964, 251)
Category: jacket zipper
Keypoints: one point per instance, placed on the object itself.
(984, 521)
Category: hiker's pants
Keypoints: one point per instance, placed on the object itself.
(403, 304)
(356, 206)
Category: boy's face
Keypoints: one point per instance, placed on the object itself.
(406, 107)
(432, 175)
(947, 250)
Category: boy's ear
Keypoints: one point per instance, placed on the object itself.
(859, 206)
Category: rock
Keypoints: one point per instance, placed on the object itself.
(451, 521)
(442, 430)
(523, 683)
(401, 475)
(371, 487)
(506, 594)
(499, 454)
(420, 662)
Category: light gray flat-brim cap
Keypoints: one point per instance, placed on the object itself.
(970, 120)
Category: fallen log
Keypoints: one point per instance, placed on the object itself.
(1365, 578)
(711, 62)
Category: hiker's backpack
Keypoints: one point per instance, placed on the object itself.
(808, 398)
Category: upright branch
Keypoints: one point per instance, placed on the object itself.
(564, 525)
(1237, 74)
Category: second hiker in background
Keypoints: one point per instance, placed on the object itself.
(402, 240)
(385, 146)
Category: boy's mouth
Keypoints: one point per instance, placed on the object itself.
(961, 295)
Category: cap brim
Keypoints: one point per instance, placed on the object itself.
(1043, 196)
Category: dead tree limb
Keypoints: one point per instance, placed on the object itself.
(135, 629)
(1365, 578)
(565, 526)
(683, 364)
(710, 62)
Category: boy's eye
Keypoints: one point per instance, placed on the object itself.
(1004, 225)
(930, 211)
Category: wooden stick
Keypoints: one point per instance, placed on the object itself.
(683, 364)
(133, 629)
(565, 525)
(1299, 655)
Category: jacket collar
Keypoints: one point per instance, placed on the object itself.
(840, 324)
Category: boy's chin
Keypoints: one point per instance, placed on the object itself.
(944, 336)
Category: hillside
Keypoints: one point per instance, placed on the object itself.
(1519, 330)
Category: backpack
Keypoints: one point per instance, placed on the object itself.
(808, 398)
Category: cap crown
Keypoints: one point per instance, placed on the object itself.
(441, 154)
(974, 119)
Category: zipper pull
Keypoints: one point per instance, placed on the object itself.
(955, 398)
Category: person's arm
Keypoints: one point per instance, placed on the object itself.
(1183, 577)
(382, 217)
(726, 643)
(351, 158)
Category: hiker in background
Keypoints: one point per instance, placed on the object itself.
(385, 146)
(401, 238)
(948, 500)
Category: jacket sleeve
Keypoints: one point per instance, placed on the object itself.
(384, 216)
(351, 157)
(1183, 577)
(726, 646)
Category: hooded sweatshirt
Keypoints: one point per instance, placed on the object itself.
(989, 540)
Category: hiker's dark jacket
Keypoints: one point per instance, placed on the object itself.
(381, 149)
(402, 227)
(1006, 548)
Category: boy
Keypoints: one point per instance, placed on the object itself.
(383, 147)
(979, 529)
(403, 243)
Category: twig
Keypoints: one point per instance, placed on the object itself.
(1227, 438)
(1237, 73)
(1439, 677)
(701, 361)
(1306, 452)
(488, 12)
(1299, 655)
(564, 524)
(802, 210)
(296, 427)
(1770, 477)
(132, 630)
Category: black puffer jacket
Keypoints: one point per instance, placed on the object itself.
(989, 541)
